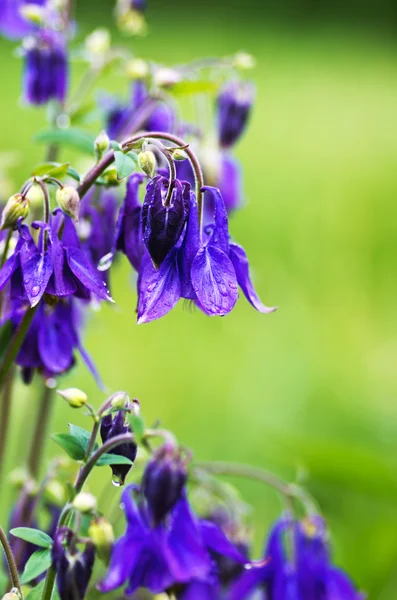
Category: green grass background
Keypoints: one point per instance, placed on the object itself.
(313, 387)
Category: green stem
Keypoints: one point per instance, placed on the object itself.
(39, 435)
(6, 248)
(11, 562)
(16, 343)
(5, 410)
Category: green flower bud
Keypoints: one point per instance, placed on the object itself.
(244, 61)
(137, 69)
(179, 154)
(35, 196)
(98, 42)
(102, 144)
(55, 492)
(102, 535)
(120, 400)
(85, 502)
(69, 201)
(74, 397)
(147, 162)
(12, 595)
(16, 207)
(110, 177)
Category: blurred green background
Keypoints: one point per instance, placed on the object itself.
(311, 389)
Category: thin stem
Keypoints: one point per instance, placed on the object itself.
(171, 166)
(39, 435)
(167, 436)
(16, 344)
(46, 201)
(6, 247)
(11, 562)
(5, 410)
(94, 434)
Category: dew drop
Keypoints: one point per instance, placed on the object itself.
(106, 262)
(117, 481)
(35, 290)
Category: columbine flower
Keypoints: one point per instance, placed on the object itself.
(129, 239)
(206, 271)
(234, 106)
(61, 269)
(307, 575)
(45, 75)
(158, 557)
(73, 568)
(12, 22)
(163, 481)
(110, 427)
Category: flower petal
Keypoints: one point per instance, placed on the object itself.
(125, 555)
(247, 583)
(240, 262)
(62, 282)
(158, 291)
(220, 235)
(214, 281)
(36, 274)
(339, 586)
(56, 343)
(215, 540)
(188, 250)
(84, 271)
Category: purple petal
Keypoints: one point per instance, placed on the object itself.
(215, 540)
(220, 236)
(188, 250)
(86, 274)
(159, 291)
(151, 570)
(8, 269)
(69, 235)
(36, 274)
(339, 586)
(200, 590)
(230, 182)
(56, 343)
(247, 583)
(128, 238)
(125, 555)
(214, 281)
(240, 262)
(62, 282)
(91, 366)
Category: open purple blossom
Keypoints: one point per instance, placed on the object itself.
(45, 74)
(207, 270)
(59, 268)
(12, 22)
(73, 567)
(234, 105)
(310, 576)
(158, 557)
(111, 426)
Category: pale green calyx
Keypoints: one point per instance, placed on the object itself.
(85, 502)
(69, 201)
(147, 162)
(17, 207)
(74, 397)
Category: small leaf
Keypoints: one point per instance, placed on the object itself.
(52, 169)
(115, 145)
(36, 592)
(125, 165)
(39, 562)
(75, 138)
(113, 459)
(82, 436)
(70, 444)
(137, 425)
(73, 173)
(133, 155)
(34, 536)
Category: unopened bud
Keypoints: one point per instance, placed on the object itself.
(120, 400)
(69, 201)
(33, 13)
(85, 502)
(74, 397)
(98, 42)
(137, 68)
(132, 22)
(18, 476)
(147, 162)
(102, 144)
(179, 154)
(55, 492)
(12, 595)
(17, 207)
(244, 61)
(110, 177)
(102, 535)
(167, 77)
(35, 196)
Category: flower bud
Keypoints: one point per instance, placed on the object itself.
(85, 502)
(35, 196)
(112, 426)
(17, 207)
(137, 68)
(110, 177)
(244, 61)
(69, 201)
(166, 77)
(179, 154)
(120, 400)
(234, 105)
(102, 535)
(73, 567)
(12, 595)
(101, 144)
(54, 492)
(98, 42)
(163, 481)
(147, 162)
(74, 397)
(32, 13)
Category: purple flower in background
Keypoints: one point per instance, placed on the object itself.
(207, 271)
(157, 557)
(45, 74)
(234, 105)
(139, 5)
(112, 426)
(311, 577)
(73, 567)
(129, 239)
(164, 216)
(12, 22)
(60, 269)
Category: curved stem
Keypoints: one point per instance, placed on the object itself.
(167, 436)
(171, 166)
(46, 201)
(11, 562)
(16, 344)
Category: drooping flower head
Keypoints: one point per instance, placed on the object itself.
(73, 567)
(112, 426)
(234, 105)
(45, 74)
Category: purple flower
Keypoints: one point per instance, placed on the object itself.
(112, 426)
(163, 481)
(128, 237)
(60, 269)
(73, 567)
(12, 22)
(45, 74)
(157, 557)
(234, 105)
(164, 216)
(139, 5)
(207, 271)
(310, 577)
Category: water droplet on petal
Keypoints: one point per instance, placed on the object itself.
(106, 262)
(35, 290)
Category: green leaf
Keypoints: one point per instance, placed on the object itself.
(73, 173)
(75, 138)
(115, 145)
(113, 459)
(34, 536)
(52, 169)
(70, 444)
(36, 592)
(132, 155)
(39, 562)
(199, 86)
(125, 165)
(6, 333)
(82, 436)
(137, 425)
